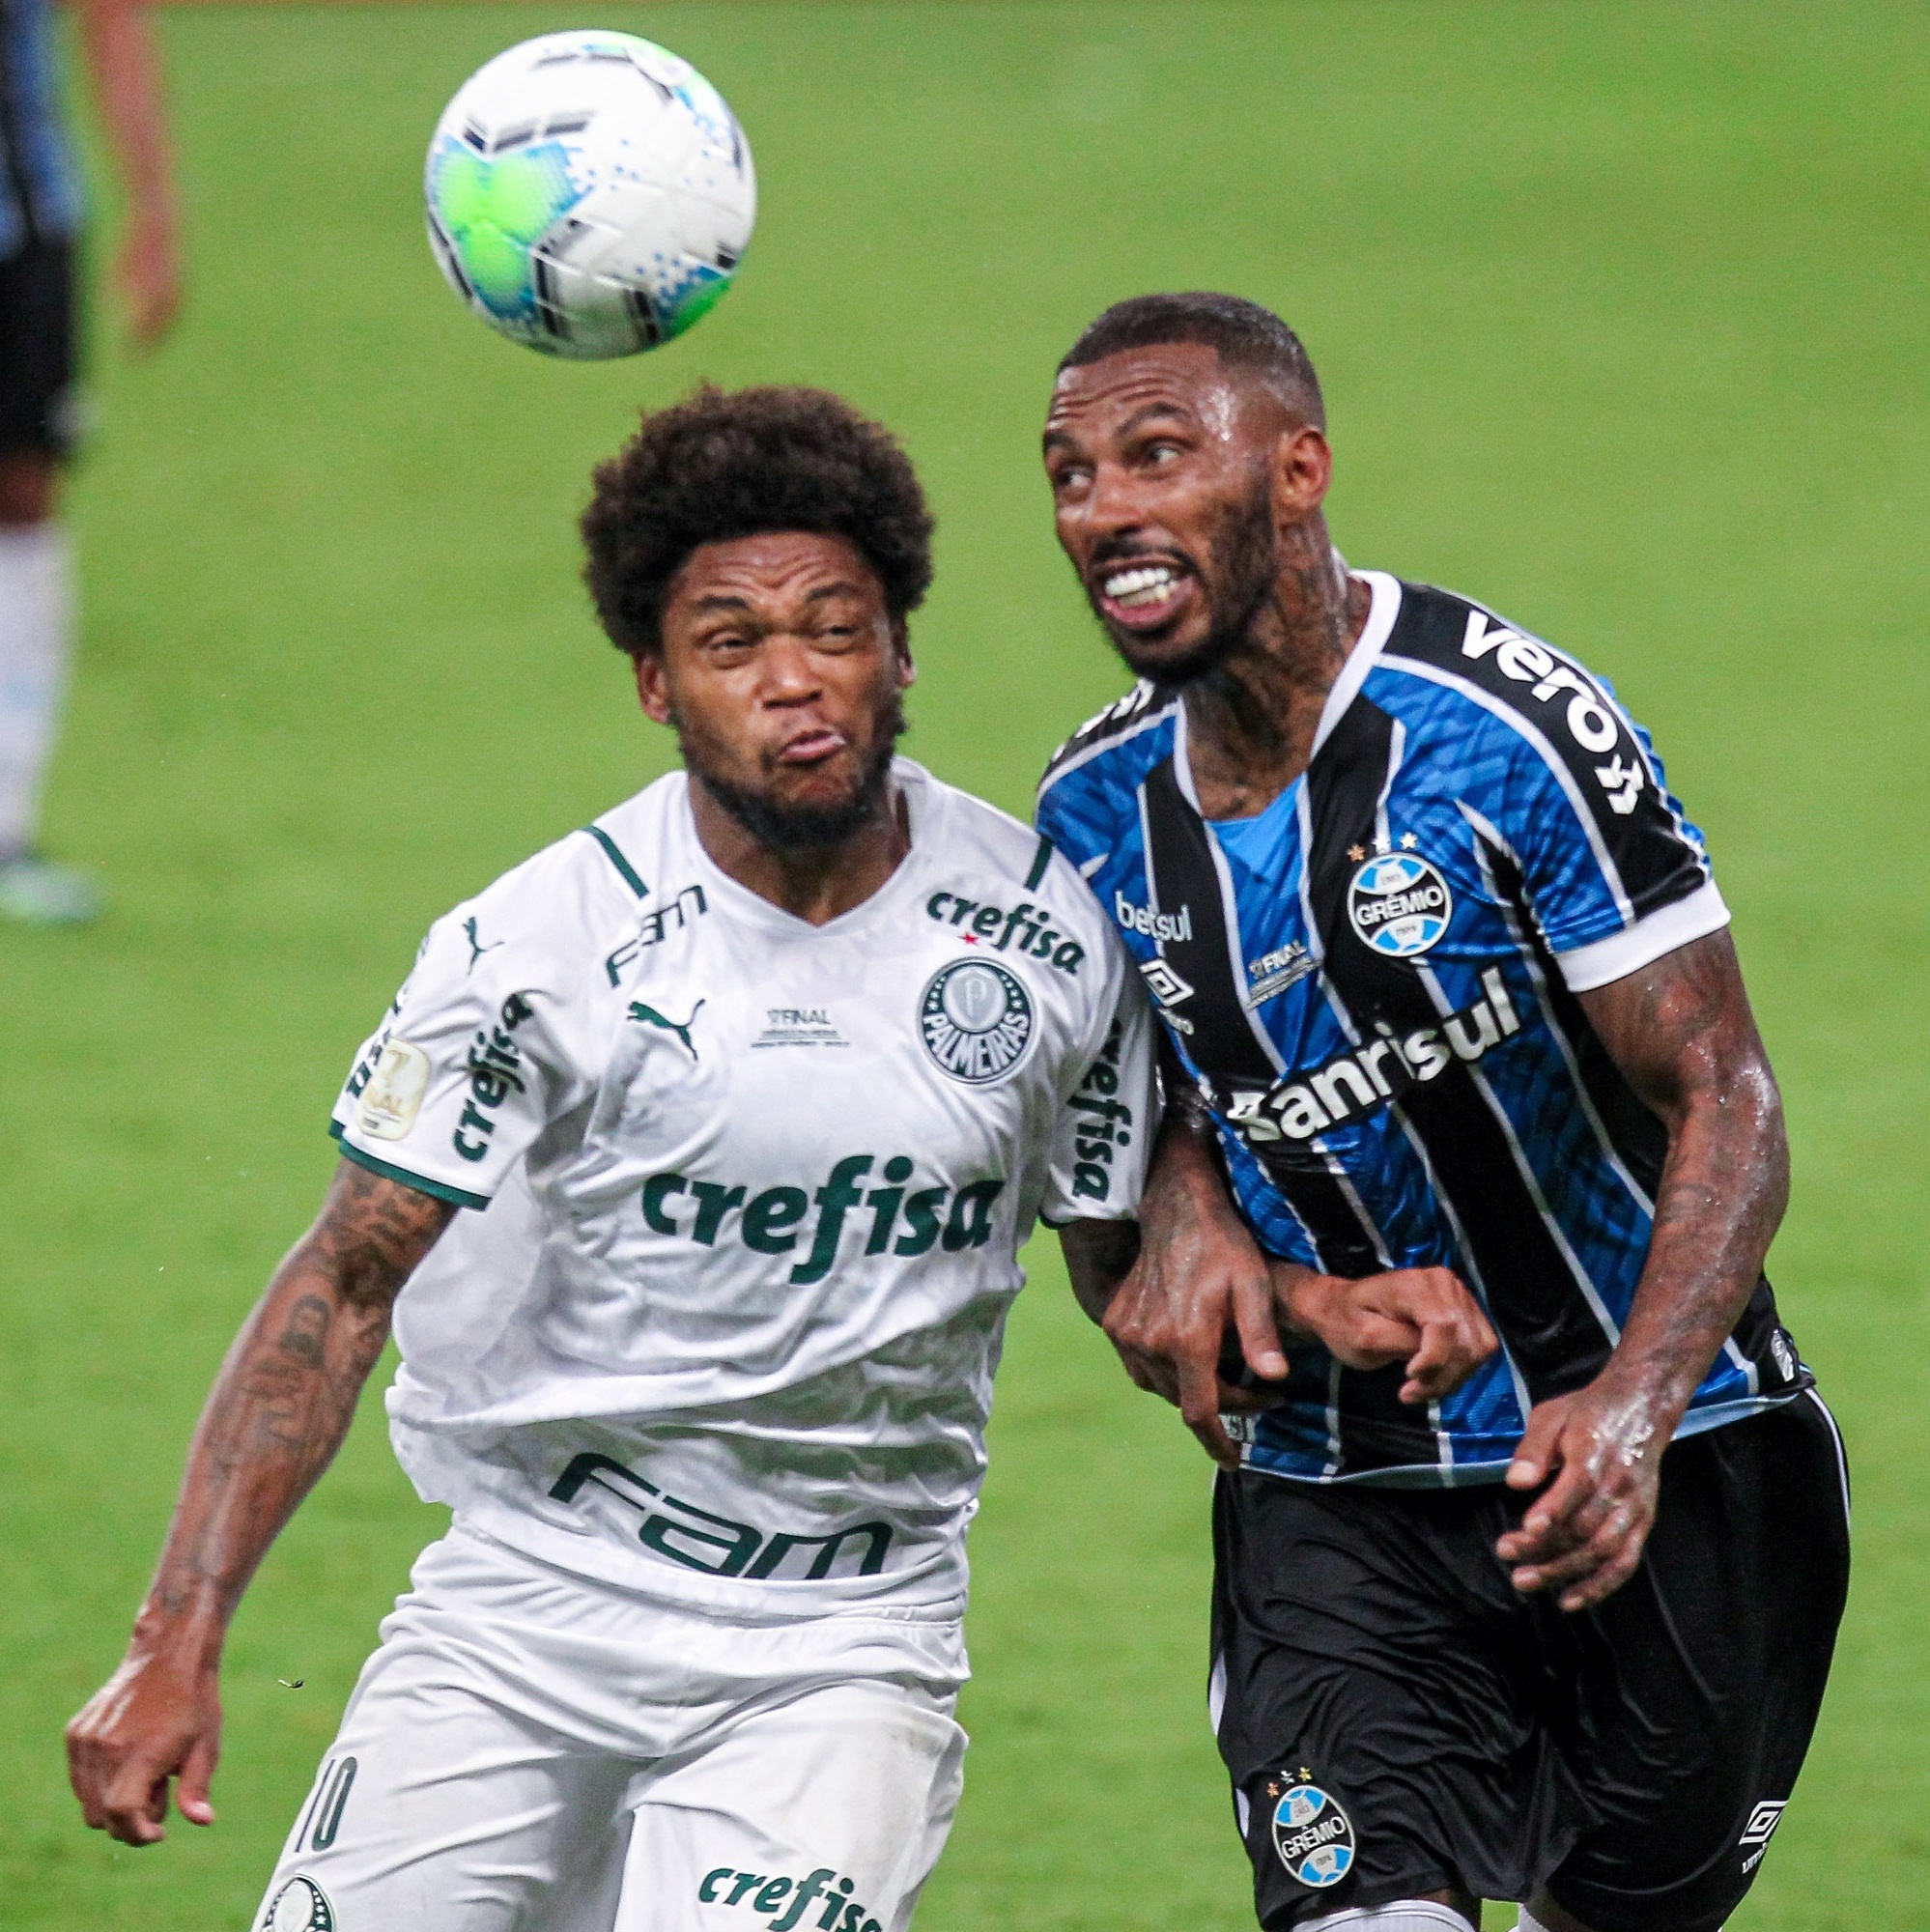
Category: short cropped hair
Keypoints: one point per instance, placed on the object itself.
(1245, 335)
(718, 466)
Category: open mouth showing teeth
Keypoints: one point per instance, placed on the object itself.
(1143, 588)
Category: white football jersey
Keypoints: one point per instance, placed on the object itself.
(754, 1194)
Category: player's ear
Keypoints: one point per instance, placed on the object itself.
(901, 650)
(653, 691)
(1303, 467)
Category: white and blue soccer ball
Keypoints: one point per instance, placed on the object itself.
(589, 194)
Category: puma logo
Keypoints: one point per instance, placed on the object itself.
(650, 1016)
(476, 948)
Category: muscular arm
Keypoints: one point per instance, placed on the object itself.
(1172, 1296)
(125, 69)
(1190, 1276)
(1683, 1035)
(279, 1411)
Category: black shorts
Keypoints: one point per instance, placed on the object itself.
(1371, 1653)
(37, 352)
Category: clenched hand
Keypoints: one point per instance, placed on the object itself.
(157, 1718)
(1422, 1316)
(1603, 1447)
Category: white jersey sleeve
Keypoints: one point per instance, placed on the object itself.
(1102, 1139)
(471, 1063)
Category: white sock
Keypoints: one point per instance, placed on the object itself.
(36, 606)
(1404, 1915)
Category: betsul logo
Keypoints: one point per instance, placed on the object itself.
(1313, 1835)
(1399, 904)
(975, 1019)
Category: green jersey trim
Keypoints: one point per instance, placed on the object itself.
(616, 859)
(439, 1189)
(1041, 860)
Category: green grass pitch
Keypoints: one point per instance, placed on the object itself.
(1622, 314)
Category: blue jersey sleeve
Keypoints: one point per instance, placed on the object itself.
(1611, 866)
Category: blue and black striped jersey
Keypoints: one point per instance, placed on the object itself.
(1374, 983)
(40, 189)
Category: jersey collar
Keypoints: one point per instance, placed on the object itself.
(1380, 616)
(1382, 612)
(925, 808)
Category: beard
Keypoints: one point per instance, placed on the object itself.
(783, 826)
(1243, 566)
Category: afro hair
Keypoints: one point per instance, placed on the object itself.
(721, 466)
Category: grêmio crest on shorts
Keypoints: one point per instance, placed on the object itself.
(1374, 983)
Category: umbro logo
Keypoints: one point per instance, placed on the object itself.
(1169, 989)
(1759, 1830)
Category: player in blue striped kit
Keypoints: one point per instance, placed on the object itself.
(40, 228)
(1446, 979)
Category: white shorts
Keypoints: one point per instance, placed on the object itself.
(528, 1752)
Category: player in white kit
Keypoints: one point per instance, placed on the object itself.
(753, 1090)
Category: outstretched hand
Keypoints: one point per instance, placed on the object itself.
(157, 1718)
(1600, 1453)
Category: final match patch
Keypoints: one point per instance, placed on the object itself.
(393, 1097)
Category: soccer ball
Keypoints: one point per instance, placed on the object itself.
(589, 194)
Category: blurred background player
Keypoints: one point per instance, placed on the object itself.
(39, 241)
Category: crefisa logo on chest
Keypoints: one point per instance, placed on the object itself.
(1399, 904)
(975, 1020)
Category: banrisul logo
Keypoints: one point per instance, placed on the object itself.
(1399, 904)
(1360, 1082)
(976, 1020)
(1313, 1835)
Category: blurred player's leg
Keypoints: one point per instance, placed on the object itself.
(437, 1809)
(36, 603)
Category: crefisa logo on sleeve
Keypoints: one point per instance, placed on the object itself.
(1313, 1835)
(1399, 904)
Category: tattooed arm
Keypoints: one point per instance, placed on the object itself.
(278, 1412)
(1682, 1033)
